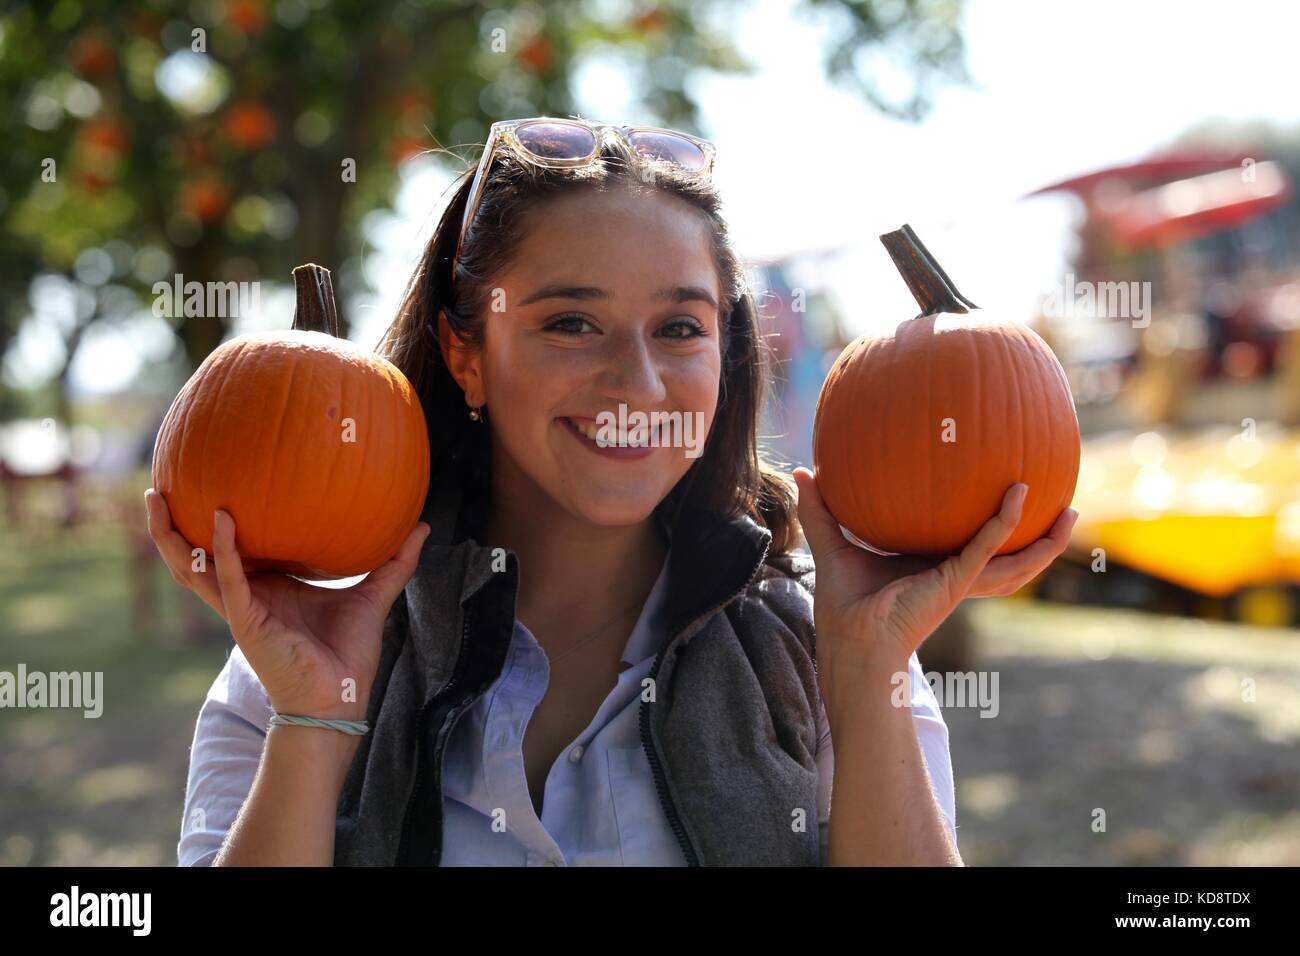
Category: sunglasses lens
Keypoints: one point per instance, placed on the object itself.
(673, 149)
(557, 140)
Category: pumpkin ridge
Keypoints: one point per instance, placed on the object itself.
(312, 551)
(392, 463)
(313, 554)
(1051, 466)
(185, 403)
(933, 491)
(859, 395)
(399, 451)
(871, 399)
(272, 493)
(322, 551)
(328, 546)
(879, 401)
(1014, 370)
(210, 427)
(167, 468)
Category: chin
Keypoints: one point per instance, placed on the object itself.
(617, 510)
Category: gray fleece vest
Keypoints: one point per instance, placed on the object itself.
(730, 735)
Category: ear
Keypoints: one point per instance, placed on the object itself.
(463, 361)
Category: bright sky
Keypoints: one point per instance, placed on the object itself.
(1059, 88)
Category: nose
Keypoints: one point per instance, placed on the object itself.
(631, 373)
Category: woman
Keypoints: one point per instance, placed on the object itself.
(596, 647)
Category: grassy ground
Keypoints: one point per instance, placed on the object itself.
(104, 790)
(1139, 716)
(1185, 733)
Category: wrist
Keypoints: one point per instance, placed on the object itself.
(333, 710)
(313, 750)
(855, 657)
(860, 677)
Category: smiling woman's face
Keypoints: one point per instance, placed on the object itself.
(612, 299)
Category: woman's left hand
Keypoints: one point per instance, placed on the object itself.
(867, 604)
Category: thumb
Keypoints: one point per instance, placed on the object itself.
(385, 582)
(819, 525)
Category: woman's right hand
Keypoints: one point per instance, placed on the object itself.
(305, 643)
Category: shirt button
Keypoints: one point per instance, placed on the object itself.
(576, 754)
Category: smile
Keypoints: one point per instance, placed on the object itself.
(631, 446)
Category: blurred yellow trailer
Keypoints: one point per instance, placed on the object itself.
(1215, 511)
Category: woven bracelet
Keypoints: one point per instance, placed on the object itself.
(354, 727)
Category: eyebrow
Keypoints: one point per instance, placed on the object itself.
(560, 290)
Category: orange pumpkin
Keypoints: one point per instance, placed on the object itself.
(918, 434)
(316, 447)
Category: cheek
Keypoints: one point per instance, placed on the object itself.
(693, 385)
(524, 378)
(693, 389)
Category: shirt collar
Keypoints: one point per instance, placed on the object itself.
(650, 630)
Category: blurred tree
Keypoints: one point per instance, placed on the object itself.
(228, 140)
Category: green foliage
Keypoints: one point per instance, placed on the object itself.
(209, 138)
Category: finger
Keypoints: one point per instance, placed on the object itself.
(384, 583)
(819, 525)
(236, 595)
(1011, 571)
(963, 569)
(177, 553)
(1064, 526)
(1042, 552)
(1054, 542)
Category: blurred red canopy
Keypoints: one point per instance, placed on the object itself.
(1155, 169)
(1200, 205)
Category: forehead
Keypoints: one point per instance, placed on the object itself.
(617, 238)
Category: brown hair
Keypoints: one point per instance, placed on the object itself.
(730, 476)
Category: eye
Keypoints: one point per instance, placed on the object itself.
(568, 324)
(686, 328)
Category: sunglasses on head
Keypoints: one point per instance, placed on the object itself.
(573, 144)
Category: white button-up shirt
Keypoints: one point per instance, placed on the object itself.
(600, 806)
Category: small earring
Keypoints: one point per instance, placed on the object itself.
(475, 414)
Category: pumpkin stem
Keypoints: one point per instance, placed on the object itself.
(316, 311)
(924, 276)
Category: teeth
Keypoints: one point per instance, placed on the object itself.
(631, 437)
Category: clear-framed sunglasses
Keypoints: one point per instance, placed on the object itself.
(571, 144)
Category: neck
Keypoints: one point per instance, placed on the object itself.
(570, 570)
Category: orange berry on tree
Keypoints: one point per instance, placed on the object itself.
(249, 125)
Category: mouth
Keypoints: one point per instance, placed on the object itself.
(632, 445)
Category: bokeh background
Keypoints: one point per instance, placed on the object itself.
(1145, 152)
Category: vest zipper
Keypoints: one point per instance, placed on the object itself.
(661, 781)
